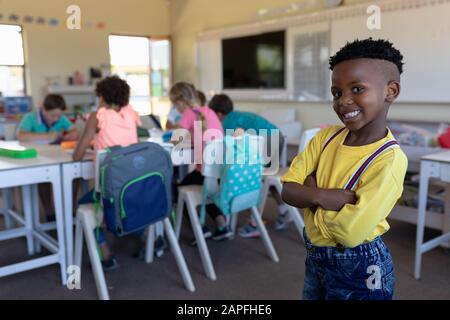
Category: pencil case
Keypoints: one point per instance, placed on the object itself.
(68, 145)
(18, 152)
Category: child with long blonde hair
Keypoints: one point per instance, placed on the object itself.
(185, 98)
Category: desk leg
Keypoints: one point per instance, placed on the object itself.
(28, 215)
(421, 215)
(7, 205)
(446, 217)
(67, 193)
(59, 215)
(36, 214)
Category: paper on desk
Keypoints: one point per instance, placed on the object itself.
(71, 151)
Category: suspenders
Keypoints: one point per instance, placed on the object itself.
(352, 182)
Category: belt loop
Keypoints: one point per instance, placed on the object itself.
(340, 248)
(330, 253)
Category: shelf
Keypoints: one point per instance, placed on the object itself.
(434, 220)
(58, 89)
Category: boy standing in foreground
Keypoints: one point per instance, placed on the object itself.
(349, 179)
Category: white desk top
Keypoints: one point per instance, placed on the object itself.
(47, 155)
(439, 157)
(414, 153)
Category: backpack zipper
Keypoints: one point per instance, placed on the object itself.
(123, 214)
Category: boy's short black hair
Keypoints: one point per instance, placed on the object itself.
(54, 101)
(221, 103)
(371, 49)
(201, 98)
(114, 91)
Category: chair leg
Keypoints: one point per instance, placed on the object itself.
(181, 262)
(264, 195)
(150, 245)
(264, 235)
(234, 221)
(298, 220)
(201, 243)
(294, 212)
(179, 217)
(36, 215)
(94, 257)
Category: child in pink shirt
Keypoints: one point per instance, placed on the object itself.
(203, 126)
(114, 124)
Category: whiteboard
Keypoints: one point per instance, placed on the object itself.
(423, 37)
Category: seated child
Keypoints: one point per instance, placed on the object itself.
(48, 124)
(186, 99)
(174, 115)
(114, 123)
(238, 120)
(346, 198)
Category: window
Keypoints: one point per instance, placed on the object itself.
(130, 60)
(161, 77)
(145, 64)
(12, 64)
(311, 74)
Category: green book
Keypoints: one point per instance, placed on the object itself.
(18, 152)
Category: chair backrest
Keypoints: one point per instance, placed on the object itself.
(306, 138)
(99, 157)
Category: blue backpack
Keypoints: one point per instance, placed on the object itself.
(135, 187)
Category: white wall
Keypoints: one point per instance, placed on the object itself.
(58, 51)
(314, 114)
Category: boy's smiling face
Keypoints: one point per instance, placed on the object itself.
(362, 91)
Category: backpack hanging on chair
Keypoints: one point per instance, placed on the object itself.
(135, 187)
(235, 184)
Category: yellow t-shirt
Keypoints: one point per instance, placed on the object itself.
(377, 191)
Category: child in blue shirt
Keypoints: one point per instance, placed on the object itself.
(48, 123)
(238, 121)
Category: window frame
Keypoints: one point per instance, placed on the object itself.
(149, 38)
(24, 66)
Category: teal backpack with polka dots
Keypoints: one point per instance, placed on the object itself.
(237, 182)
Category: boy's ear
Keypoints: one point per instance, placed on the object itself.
(393, 90)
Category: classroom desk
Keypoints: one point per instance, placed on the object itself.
(431, 166)
(56, 166)
(434, 220)
(27, 174)
(414, 155)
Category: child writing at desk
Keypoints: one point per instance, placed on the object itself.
(47, 124)
(115, 123)
(186, 99)
(174, 115)
(349, 178)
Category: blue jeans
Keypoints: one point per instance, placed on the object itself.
(365, 272)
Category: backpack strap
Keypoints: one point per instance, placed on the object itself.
(332, 137)
(351, 184)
